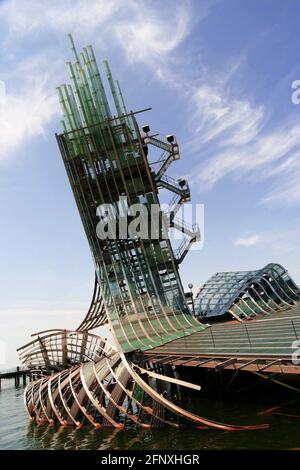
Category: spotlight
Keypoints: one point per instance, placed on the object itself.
(146, 128)
(181, 182)
(170, 138)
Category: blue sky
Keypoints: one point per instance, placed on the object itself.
(218, 74)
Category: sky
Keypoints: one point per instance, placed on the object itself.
(218, 74)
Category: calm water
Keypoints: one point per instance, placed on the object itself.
(17, 433)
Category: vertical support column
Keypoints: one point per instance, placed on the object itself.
(83, 346)
(45, 354)
(64, 349)
(17, 377)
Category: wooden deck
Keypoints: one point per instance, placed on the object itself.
(265, 344)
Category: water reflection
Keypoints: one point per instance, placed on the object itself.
(283, 434)
(17, 433)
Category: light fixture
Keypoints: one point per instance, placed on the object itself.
(146, 128)
(170, 138)
(181, 182)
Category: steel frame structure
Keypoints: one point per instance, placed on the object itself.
(138, 290)
(247, 294)
(105, 159)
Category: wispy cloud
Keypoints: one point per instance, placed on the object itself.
(217, 114)
(28, 106)
(278, 243)
(234, 128)
(231, 130)
(265, 156)
(237, 137)
(144, 32)
(25, 18)
(150, 38)
(24, 116)
(243, 146)
(285, 190)
(250, 240)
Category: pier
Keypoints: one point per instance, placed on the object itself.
(267, 344)
(19, 374)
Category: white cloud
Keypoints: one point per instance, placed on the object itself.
(275, 242)
(151, 35)
(29, 105)
(234, 138)
(24, 18)
(231, 127)
(285, 192)
(218, 115)
(147, 34)
(23, 117)
(251, 240)
(249, 150)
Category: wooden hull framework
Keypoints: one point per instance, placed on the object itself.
(105, 389)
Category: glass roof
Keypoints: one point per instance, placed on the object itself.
(218, 294)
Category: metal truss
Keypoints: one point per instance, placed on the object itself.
(247, 294)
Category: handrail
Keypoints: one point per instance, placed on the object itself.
(169, 179)
(182, 247)
(186, 225)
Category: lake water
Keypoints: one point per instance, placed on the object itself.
(17, 433)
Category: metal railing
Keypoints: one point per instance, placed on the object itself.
(256, 342)
(187, 227)
(174, 185)
(161, 143)
(183, 247)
